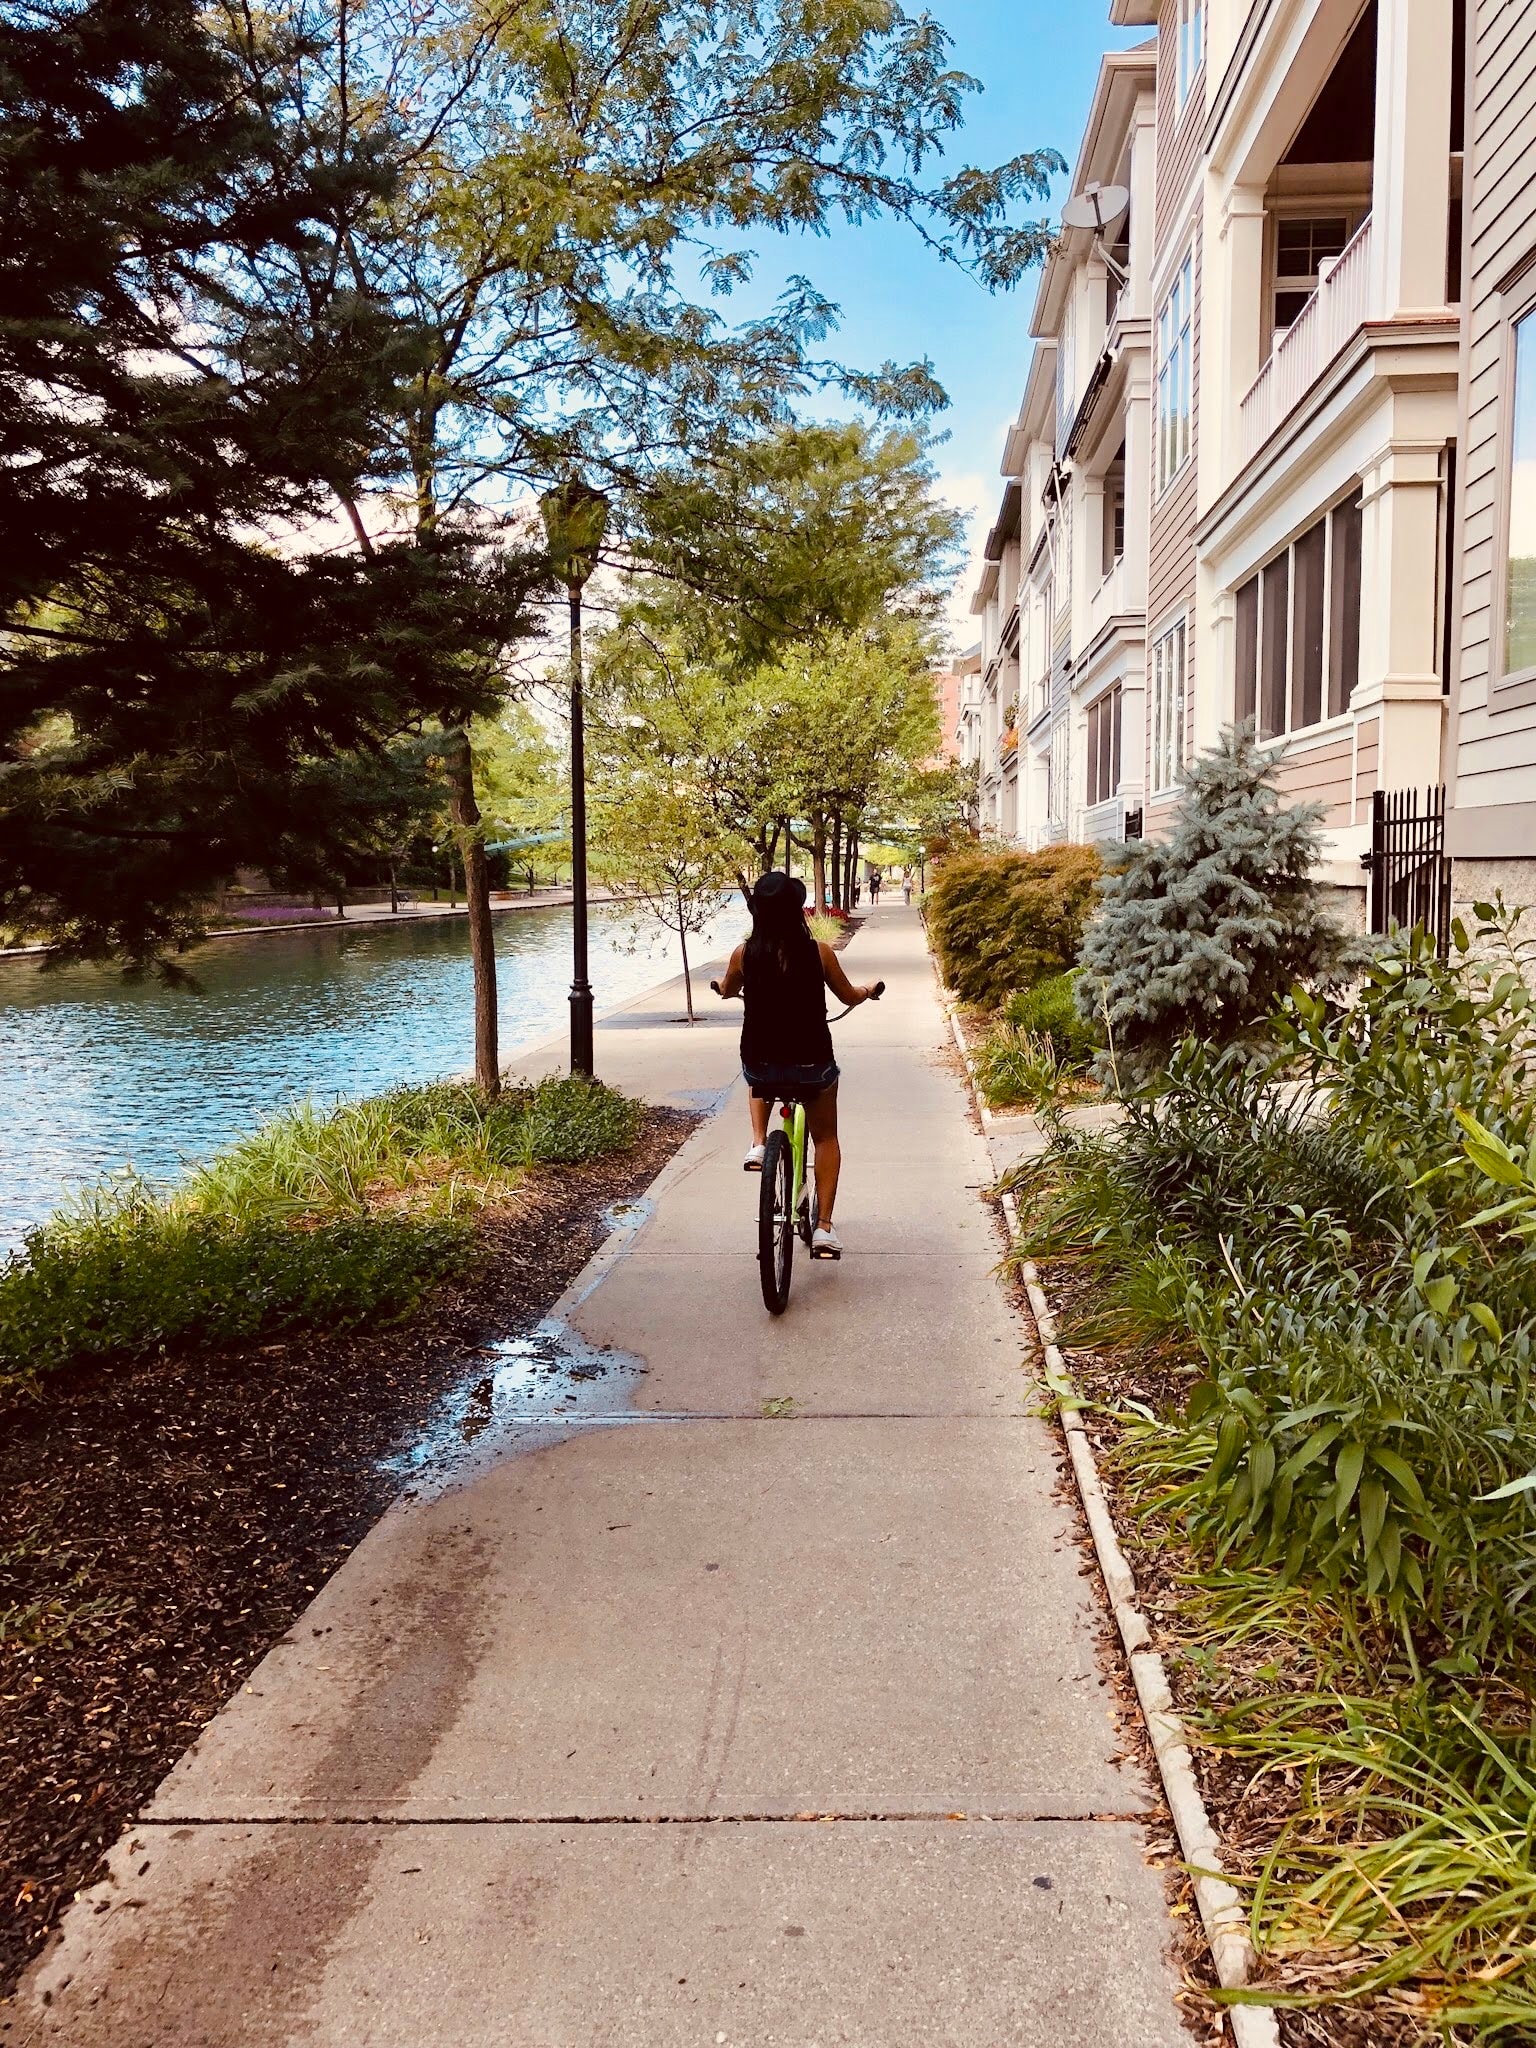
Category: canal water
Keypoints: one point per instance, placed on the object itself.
(97, 1073)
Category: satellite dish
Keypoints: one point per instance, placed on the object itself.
(1096, 207)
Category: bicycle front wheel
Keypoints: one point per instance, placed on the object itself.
(776, 1223)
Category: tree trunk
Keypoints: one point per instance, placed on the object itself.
(837, 860)
(819, 858)
(394, 892)
(341, 900)
(460, 768)
(850, 866)
(682, 934)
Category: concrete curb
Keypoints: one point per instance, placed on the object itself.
(1221, 1908)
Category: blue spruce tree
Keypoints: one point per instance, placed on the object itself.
(1202, 933)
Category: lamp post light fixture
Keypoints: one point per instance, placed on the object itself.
(575, 520)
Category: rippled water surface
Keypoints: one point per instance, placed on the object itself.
(97, 1073)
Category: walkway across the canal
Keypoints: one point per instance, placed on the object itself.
(772, 1709)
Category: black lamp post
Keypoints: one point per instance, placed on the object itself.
(575, 519)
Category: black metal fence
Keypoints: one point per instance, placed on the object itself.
(1410, 875)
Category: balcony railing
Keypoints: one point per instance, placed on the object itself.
(1335, 311)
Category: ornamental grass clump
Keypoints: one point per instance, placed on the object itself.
(1002, 920)
(1202, 934)
(319, 1219)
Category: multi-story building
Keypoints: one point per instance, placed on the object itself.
(1267, 416)
(1062, 594)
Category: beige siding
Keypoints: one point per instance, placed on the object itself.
(1178, 132)
(1367, 762)
(1321, 775)
(1157, 821)
(1495, 738)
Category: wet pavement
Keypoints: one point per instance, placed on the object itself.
(723, 1679)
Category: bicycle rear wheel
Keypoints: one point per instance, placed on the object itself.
(776, 1223)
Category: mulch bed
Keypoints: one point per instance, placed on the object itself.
(161, 1525)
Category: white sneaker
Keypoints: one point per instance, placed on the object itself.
(753, 1163)
(825, 1242)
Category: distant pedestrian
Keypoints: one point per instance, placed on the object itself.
(874, 886)
(906, 887)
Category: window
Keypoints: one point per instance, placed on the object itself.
(1191, 53)
(1104, 746)
(1169, 665)
(1298, 628)
(1056, 774)
(1520, 518)
(1175, 374)
(1114, 518)
(1305, 247)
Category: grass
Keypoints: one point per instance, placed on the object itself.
(1035, 1050)
(320, 1218)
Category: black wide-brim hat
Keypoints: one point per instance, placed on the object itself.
(775, 884)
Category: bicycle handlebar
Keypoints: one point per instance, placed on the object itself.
(874, 996)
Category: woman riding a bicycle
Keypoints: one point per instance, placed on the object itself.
(786, 1048)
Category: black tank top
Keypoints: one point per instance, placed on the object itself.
(786, 1013)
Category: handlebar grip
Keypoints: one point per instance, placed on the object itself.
(715, 986)
(879, 990)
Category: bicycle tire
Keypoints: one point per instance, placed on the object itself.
(776, 1223)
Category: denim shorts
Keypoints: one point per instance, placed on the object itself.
(774, 1084)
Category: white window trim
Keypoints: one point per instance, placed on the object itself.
(1519, 305)
(1178, 734)
(1183, 271)
(1187, 63)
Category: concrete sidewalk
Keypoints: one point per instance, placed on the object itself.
(742, 1687)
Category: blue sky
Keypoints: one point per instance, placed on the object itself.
(1037, 60)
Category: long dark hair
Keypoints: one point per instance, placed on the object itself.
(780, 936)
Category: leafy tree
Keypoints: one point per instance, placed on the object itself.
(660, 837)
(1201, 934)
(522, 785)
(777, 648)
(183, 371)
(808, 530)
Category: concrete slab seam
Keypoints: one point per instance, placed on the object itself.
(1221, 1908)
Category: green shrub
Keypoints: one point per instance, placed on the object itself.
(320, 1219)
(127, 1276)
(1038, 1049)
(1002, 920)
(1050, 1011)
(1202, 933)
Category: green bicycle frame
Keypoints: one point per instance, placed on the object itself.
(793, 1114)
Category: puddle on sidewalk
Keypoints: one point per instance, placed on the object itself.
(518, 1393)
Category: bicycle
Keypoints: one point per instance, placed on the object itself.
(786, 1199)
